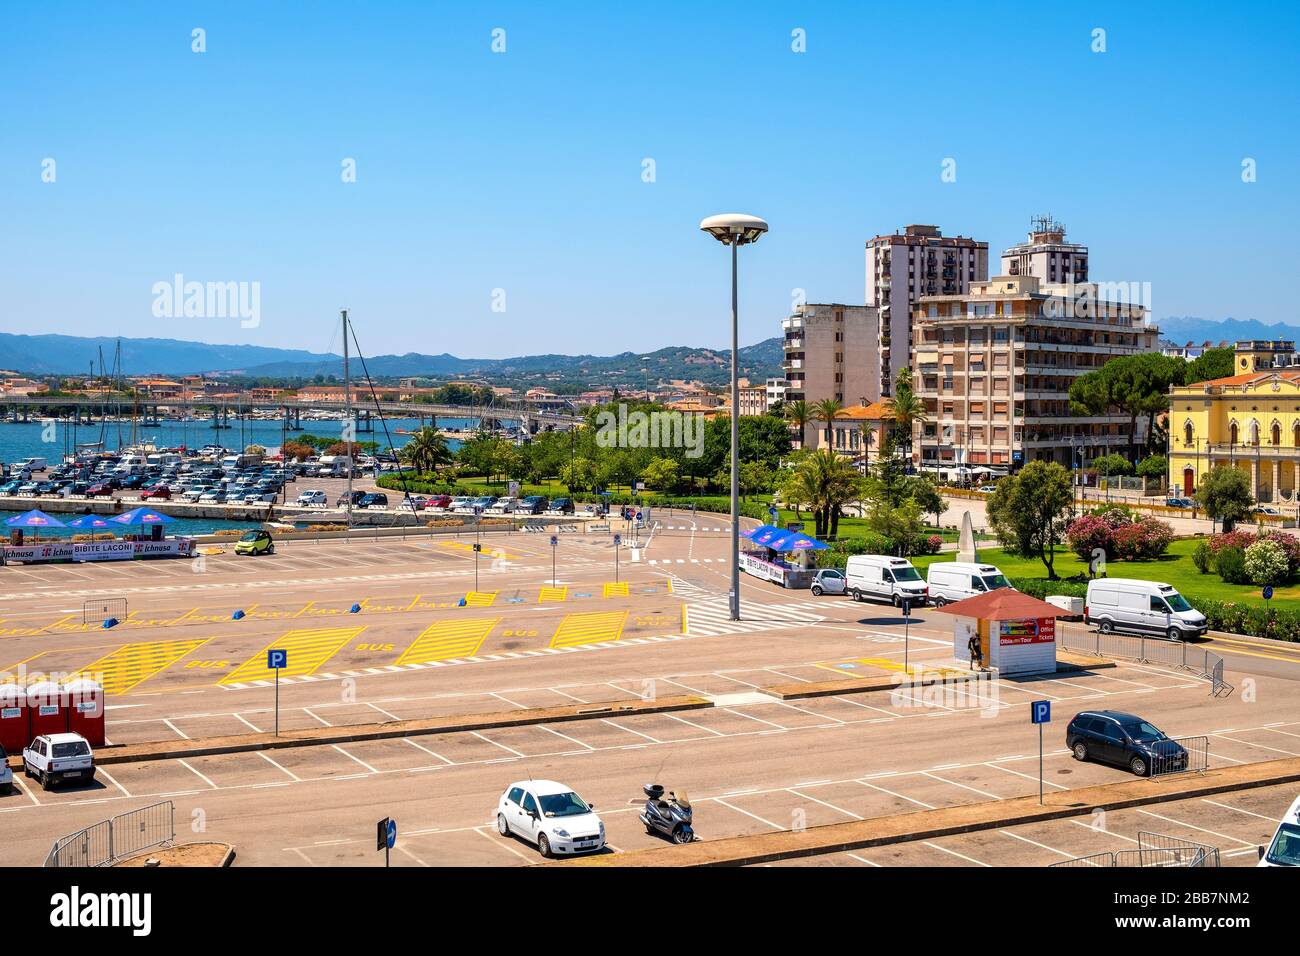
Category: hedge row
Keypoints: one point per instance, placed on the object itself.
(1282, 624)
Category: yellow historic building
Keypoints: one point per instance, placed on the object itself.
(1250, 420)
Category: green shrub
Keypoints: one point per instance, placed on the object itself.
(1266, 563)
(1203, 557)
(1231, 565)
(1281, 624)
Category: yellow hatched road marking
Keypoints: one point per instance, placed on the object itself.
(885, 664)
(308, 649)
(480, 598)
(131, 664)
(553, 594)
(589, 628)
(615, 589)
(443, 640)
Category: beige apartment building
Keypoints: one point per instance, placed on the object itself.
(994, 366)
(903, 267)
(1046, 255)
(828, 354)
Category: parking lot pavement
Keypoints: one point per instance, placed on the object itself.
(1236, 823)
(750, 766)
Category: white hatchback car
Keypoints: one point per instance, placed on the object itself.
(54, 758)
(552, 816)
(6, 775)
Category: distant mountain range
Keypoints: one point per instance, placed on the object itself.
(69, 354)
(1183, 329)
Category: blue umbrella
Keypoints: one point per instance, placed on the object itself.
(142, 516)
(88, 521)
(34, 519)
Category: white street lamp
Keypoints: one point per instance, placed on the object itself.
(735, 230)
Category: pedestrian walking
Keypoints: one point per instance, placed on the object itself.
(976, 653)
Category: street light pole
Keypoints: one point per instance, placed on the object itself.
(735, 230)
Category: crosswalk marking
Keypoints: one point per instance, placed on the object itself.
(447, 640)
(131, 664)
(589, 628)
(712, 619)
(308, 649)
(480, 598)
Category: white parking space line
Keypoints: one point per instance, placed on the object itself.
(863, 859)
(369, 768)
(387, 713)
(954, 783)
(1250, 813)
(1051, 783)
(310, 713)
(241, 717)
(1041, 846)
(178, 731)
(688, 723)
(263, 754)
(731, 806)
(1221, 836)
(900, 796)
(196, 773)
(1251, 743)
(503, 842)
(108, 776)
(847, 813)
(961, 856)
(495, 743)
(631, 731)
(431, 753)
(572, 740)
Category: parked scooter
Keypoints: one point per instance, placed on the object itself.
(670, 817)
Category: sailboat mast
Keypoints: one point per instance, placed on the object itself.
(347, 416)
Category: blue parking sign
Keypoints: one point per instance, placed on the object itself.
(277, 658)
(1040, 711)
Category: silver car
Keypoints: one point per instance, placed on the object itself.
(828, 581)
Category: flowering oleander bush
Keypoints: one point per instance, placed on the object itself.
(1142, 540)
(1121, 535)
(1087, 533)
(1266, 563)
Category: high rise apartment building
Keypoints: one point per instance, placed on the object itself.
(828, 354)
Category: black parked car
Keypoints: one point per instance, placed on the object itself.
(1125, 740)
(373, 500)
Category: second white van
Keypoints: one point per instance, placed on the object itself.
(884, 578)
(1141, 607)
(957, 580)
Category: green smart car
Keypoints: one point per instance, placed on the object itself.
(255, 542)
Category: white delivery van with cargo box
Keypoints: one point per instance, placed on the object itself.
(957, 580)
(1141, 607)
(884, 578)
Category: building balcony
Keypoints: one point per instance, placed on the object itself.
(793, 322)
(795, 343)
(1265, 451)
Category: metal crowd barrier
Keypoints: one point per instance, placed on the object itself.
(123, 836)
(1154, 850)
(1150, 650)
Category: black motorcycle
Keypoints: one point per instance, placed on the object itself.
(670, 817)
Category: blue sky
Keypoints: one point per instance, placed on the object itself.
(522, 171)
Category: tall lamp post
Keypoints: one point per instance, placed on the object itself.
(735, 230)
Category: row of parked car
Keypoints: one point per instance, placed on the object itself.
(188, 481)
(445, 504)
(1149, 608)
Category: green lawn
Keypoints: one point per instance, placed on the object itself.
(1175, 567)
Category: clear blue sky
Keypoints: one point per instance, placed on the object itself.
(522, 171)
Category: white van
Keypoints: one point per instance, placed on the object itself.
(1141, 607)
(957, 580)
(1284, 848)
(884, 578)
(31, 464)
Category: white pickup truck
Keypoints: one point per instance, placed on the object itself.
(53, 758)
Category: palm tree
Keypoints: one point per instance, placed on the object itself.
(827, 410)
(907, 409)
(799, 414)
(825, 482)
(426, 450)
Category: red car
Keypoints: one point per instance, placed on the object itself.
(438, 501)
(162, 492)
(99, 489)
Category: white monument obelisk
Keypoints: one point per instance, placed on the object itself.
(966, 550)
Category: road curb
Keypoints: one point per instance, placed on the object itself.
(353, 733)
(1069, 664)
(948, 821)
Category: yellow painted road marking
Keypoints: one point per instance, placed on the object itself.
(443, 640)
(480, 598)
(589, 628)
(1223, 646)
(553, 594)
(308, 649)
(131, 664)
(615, 589)
(488, 550)
(885, 664)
